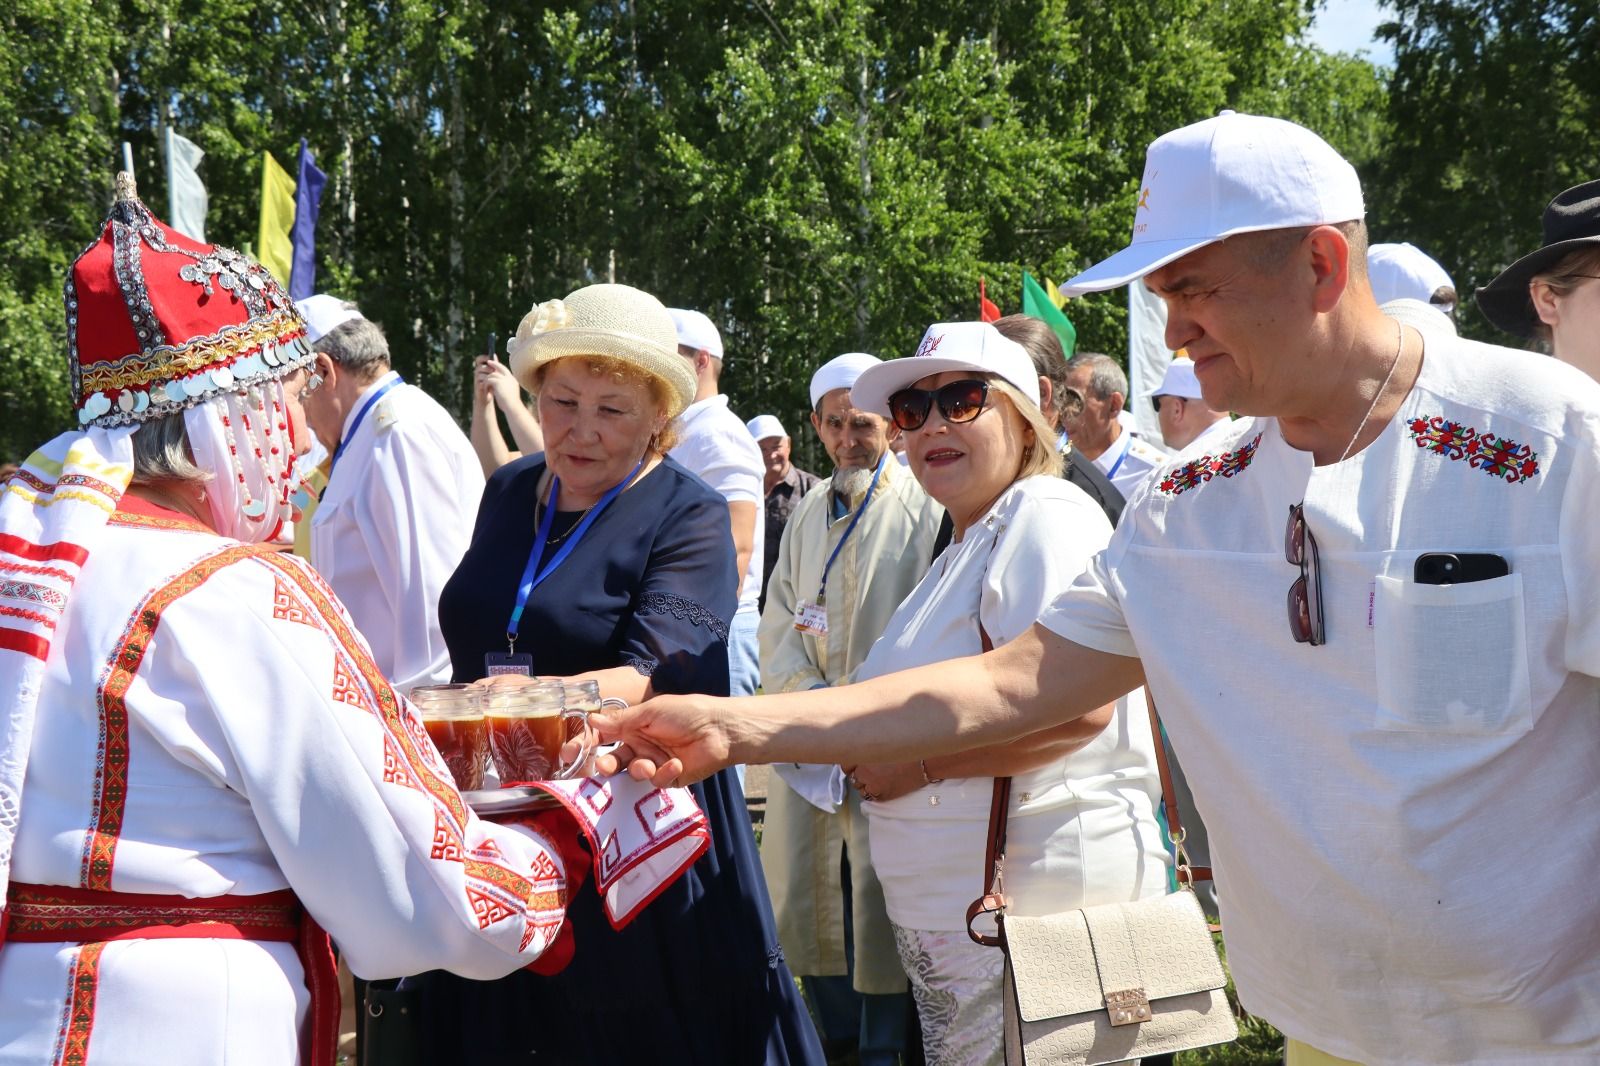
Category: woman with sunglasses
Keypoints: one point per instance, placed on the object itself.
(1082, 827)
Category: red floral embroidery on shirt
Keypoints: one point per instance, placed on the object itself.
(1199, 471)
(1496, 456)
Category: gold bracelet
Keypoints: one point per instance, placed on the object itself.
(926, 779)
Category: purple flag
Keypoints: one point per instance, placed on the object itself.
(307, 202)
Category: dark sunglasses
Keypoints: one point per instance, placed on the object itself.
(1305, 595)
(959, 401)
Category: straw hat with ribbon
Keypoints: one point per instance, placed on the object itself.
(615, 321)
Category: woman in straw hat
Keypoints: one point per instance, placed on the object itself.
(1081, 826)
(199, 761)
(1552, 294)
(605, 560)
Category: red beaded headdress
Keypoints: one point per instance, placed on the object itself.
(157, 322)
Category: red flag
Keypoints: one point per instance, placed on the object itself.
(987, 311)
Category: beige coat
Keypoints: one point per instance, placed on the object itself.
(801, 846)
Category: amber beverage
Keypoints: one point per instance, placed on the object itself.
(527, 728)
(453, 717)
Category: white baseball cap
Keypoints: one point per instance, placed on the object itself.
(1180, 380)
(763, 426)
(1404, 272)
(1230, 174)
(840, 372)
(949, 346)
(696, 331)
(324, 314)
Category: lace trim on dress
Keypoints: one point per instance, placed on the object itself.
(643, 664)
(680, 608)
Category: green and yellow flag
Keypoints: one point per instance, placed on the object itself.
(1036, 303)
(276, 251)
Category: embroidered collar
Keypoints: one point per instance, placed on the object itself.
(1199, 471)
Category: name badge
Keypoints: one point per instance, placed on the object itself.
(811, 618)
(496, 663)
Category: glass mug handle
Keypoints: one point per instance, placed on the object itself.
(585, 743)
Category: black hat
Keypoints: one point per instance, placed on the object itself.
(1571, 222)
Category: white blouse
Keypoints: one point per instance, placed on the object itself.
(1082, 829)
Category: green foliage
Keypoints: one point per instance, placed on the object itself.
(1492, 110)
(819, 175)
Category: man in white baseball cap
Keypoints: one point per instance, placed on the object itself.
(1371, 762)
(1406, 272)
(785, 485)
(1184, 415)
(714, 445)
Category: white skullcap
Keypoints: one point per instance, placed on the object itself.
(1404, 272)
(839, 373)
(763, 426)
(324, 314)
(696, 331)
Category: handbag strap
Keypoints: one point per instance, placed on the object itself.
(994, 853)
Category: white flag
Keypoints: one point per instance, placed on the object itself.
(1148, 356)
(186, 200)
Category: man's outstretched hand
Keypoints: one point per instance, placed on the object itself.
(666, 740)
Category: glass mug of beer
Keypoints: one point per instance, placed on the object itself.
(453, 717)
(528, 725)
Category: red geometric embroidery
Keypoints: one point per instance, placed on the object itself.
(488, 909)
(345, 689)
(394, 766)
(446, 841)
(285, 608)
(1499, 457)
(544, 869)
(111, 762)
(1196, 473)
(489, 850)
(85, 981)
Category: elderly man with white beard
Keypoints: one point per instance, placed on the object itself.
(853, 549)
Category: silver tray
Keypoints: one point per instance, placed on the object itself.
(492, 802)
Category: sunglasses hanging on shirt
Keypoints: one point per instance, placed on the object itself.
(959, 401)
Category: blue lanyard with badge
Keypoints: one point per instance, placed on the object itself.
(813, 617)
(361, 416)
(533, 575)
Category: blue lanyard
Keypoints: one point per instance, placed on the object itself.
(360, 417)
(1118, 464)
(532, 580)
(822, 590)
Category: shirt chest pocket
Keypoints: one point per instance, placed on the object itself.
(1452, 658)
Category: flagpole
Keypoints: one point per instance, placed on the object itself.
(127, 157)
(172, 186)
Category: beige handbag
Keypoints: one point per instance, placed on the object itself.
(1109, 983)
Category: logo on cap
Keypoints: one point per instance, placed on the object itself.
(929, 343)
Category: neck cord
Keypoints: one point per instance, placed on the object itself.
(1399, 350)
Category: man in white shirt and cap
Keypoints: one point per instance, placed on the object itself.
(402, 493)
(1406, 272)
(785, 485)
(854, 548)
(1184, 415)
(1095, 425)
(714, 445)
(1389, 767)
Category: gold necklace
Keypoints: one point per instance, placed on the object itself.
(1399, 351)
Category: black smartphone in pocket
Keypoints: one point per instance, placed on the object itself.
(1458, 568)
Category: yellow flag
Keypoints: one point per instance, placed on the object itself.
(1054, 293)
(276, 251)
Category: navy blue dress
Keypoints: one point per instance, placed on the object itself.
(698, 976)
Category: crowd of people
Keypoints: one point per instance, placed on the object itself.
(210, 766)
